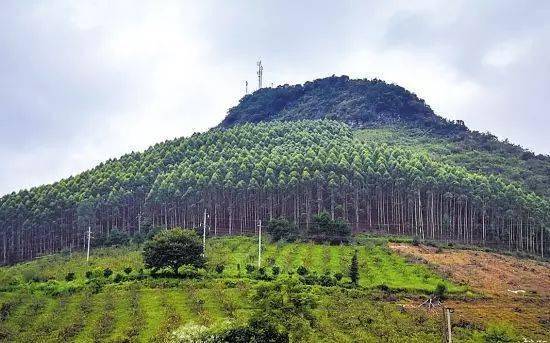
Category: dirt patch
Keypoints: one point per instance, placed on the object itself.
(517, 290)
(488, 273)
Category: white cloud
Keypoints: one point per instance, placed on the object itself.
(507, 53)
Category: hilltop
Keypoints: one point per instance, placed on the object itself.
(374, 105)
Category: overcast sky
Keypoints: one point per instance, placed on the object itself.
(84, 81)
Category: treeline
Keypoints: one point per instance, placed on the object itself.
(293, 170)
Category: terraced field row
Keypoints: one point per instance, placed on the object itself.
(119, 313)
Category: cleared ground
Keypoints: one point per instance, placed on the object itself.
(515, 291)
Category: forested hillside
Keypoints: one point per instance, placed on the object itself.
(260, 171)
(375, 104)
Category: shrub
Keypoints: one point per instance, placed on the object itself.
(220, 268)
(250, 268)
(338, 276)
(128, 270)
(440, 291)
(281, 229)
(324, 228)
(302, 271)
(118, 278)
(89, 274)
(384, 288)
(500, 333)
(107, 272)
(327, 280)
(275, 270)
(70, 276)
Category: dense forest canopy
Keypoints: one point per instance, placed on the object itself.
(376, 104)
(269, 170)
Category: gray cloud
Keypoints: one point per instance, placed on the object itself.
(82, 82)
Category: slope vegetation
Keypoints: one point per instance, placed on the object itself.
(281, 169)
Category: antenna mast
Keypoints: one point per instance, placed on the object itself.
(260, 74)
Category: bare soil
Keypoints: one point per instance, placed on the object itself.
(487, 273)
(516, 291)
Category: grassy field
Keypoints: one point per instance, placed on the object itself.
(149, 309)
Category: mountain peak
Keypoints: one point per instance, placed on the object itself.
(357, 102)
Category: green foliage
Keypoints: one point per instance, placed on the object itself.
(250, 268)
(500, 333)
(107, 272)
(354, 269)
(320, 163)
(302, 271)
(338, 276)
(326, 229)
(275, 270)
(441, 291)
(356, 102)
(153, 307)
(128, 270)
(281, 229)
(220, 268)
(70, 276)
(173, 248)
(118, 278)
(286, 305)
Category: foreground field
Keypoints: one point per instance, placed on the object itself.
(37, 304)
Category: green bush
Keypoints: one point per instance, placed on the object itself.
(440, 291)
(250, 268)
(338, 276)
(500, 333)
(128, 270)
(89, 274)
(107, 272)
(70, 276)
(302, 271)
(281, 229)
(275, 270)
(220, 268)
(118, 278)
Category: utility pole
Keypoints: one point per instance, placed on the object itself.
(89, 237)
(245, 87)
(204, 234)
(449, 332)
(259, 243)
(260, 74)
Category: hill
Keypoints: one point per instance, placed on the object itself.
(383, 163)
(376, 105)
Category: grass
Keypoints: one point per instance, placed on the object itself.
(148, 310)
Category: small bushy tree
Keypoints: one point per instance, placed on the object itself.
(173, 248)
(281, 229)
